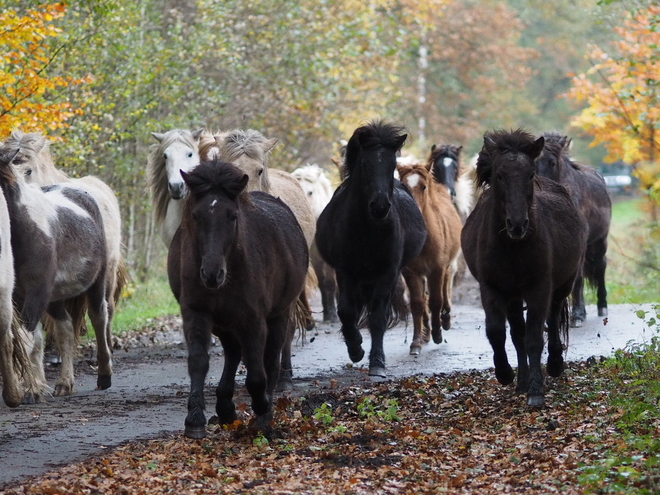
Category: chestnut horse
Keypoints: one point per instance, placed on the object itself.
(432, 268)
(524, 242)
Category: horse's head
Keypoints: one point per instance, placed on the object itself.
(211, 216)
(179, 152)
(316, 186)
(416, 178)
(371, 159)
(445, 162)
(506, 162)
(548, 164)
(248, 150)
(33, 161)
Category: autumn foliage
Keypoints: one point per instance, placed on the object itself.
(26, 54)
(622, 92)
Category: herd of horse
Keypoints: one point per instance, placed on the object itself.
(248, 243)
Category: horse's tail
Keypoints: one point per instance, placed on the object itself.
(20, 357)
(565, 321)
(300, 316)
(398, 308)
(122, 280)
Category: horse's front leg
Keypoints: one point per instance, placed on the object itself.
(379, 308)
(224, 405)
(254, 345)
(35, 377)
(537, 309)
(196, 329)
(65, 341)
(12, 393)
(415, 285)
(496, 333)
(285, 374)
(514, 313)
(348, 308)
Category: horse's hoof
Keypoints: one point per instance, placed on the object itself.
(576, 322)
(446, 321)
(356, 355)
(310, 324)
(195, 432)
(62, 390)
(436, 333)
(602, 311)
(262, 423)
(284, 386)
(377, 372)
(12, 402)
(506, 376)
(535, 400)
(31, 398)
(415, 349)
(103, 382)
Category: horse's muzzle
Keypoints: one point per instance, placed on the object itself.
(214, 280)
(379, 207)
(518, 230)
(177, 191)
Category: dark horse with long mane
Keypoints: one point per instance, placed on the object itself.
(368, 232)
(589, 192)
(524, 243)
(236, 265)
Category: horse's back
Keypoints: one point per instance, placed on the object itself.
(589, 191)
(284, 186)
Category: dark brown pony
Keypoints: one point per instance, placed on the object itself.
(589, 193)
(236, 265)
(433, 266)
(524, 243)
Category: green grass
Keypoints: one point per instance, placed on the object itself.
(627, 281)
(147, 300)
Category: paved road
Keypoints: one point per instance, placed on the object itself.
(148, 396)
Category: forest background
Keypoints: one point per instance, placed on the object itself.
(98, 77)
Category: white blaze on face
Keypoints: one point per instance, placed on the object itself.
(412, 180)
(447, 162)
(212, 207)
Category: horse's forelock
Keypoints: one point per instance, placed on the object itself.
(373, 134)
(216, 175)
(239, 142)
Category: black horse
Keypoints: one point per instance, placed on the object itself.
(446, 165)
(236, 265)
(368, 232)
(589, 193)
(524, 243)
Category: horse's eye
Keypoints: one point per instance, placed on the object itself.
(190, 154)
(498, 177)
(261, 171)
(423, 188)
(28, 172)
(310, 193)
(194, 216)
(165, 156)
(531, 177)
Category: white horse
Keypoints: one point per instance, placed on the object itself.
(318, 190)
(13, 358)
(177, 150)
(35, 163)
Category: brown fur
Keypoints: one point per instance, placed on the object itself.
(432, 267)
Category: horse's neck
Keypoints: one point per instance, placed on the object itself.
(28, 206)
(171, 221)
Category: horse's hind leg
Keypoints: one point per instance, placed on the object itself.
(98, 314)
(257, 380)
(579, 313)
(12, 393)
(65, 341)
(514, 313)
(285, 380)
(599, 266)
(378, 314)
(224, 405)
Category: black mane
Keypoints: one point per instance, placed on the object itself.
(377, 133)
(216, 176)
(499, 142)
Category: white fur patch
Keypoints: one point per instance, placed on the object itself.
(447, 162)
(412, 180)
(40, 211)
(59, 200)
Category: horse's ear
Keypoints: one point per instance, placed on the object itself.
(458, 150)
(269, 145)
(159, 137)
(185, 176)
(433, 148)
(537, 147)
(197, 133)
(489, 144)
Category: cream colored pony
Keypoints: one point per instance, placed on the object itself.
(35, 163)
(176, 150)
